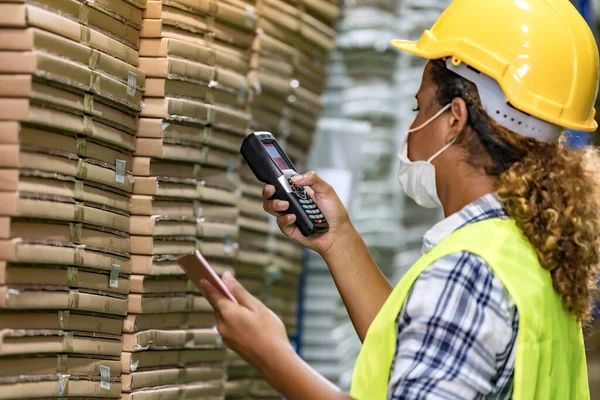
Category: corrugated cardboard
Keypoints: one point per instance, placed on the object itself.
(144, 284)
(298, 96)
(52, 184)
(158, 225)
(148, 206)
(195, 112)
(217, 230)
(61, 320)
(131, 362)
(167, 265)
(26, 15)
(171, 376)
(150, 245)
(148, 304)
(212, 55)
(53, 142)
(15, 274)
(120, 10)
(50, 207)
(238, 388)
(212, 177)
(58, 364)
(170, 340)
(199, 25)
(253, 224)
(15, 298)
(185, 151)
(71, 74)
(21, 109)
(14, 342)
(184, 189)
(177, 320)
(42, 93)
(67, 165)
(212, 136)
(92, 17)
(200, 391)
(207, 92)
(272, 47)
(301, 123)
(59, 385)
(253, 207)
(19, 251)
(56, 232)
(33, 38)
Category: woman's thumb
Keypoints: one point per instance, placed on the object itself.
(238, 291)
(312, 180)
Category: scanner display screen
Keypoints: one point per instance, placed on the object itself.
(276, 156)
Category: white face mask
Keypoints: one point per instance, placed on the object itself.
(417, 178)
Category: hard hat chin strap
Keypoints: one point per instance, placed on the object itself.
(499, 109)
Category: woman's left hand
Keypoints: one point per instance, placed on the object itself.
(249, 328)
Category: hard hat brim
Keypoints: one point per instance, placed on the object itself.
(409, 47)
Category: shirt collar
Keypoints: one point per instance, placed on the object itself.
(488, 206)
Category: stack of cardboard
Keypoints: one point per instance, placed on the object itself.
(186, 193)
(289, 59)
(70, 93)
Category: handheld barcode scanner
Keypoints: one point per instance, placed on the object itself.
(272, 166)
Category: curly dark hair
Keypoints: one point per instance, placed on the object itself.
(551, 191)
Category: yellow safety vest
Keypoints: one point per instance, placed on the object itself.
(550, 357)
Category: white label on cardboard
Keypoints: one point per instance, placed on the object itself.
(114, 276)
(105, 377)
(63, 381)
(131, 83)
(120, 177)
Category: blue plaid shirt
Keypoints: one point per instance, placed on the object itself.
(458, 327)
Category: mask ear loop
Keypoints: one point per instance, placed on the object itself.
(442, 150)
(423, 125)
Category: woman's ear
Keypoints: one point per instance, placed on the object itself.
(459, 117)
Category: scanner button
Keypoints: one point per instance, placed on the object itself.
(320, 216)
(313, 217)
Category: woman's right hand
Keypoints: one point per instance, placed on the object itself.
(328, 202)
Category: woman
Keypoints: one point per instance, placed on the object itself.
(494, 307)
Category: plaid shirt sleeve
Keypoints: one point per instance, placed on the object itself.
(456, 334)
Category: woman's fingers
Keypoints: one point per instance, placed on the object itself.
(286, 223)
(268, 192)
(314, 181)
(275, 207)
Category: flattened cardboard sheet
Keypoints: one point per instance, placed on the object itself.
(252, 207)
(177, 320)
(207, 93)
(33, 114)
(52, 184)
(149, 206)
(13, 342)
(95, 19)
(60, 385)
(120, 10)
(183, 189)
(61, 320)
(27, 15)
(196, 112)
(73, 277)
(201, 26)
(212, 55)
(200, 391)
(292, 92)
(167, 265)
(170, 340)
(304, 122)
(254, 225)
(131, 362)
(62, 71)
(19, 251)
(158, 225)
(52, 142)
(71, 364)
(67, 165)
(238, 388)
(16, 298)
(212, 136)
(151, 304)
(258, 260)
(210, 230)
(172, 376)
(185, 151)
(25, 205)
(147, 284)
(33, 38)
(59, 233)
(150, 245)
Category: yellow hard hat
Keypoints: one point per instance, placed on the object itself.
(542, 53)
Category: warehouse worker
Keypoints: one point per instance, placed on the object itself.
(494, 308)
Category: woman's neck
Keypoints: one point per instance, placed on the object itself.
(464, 187)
